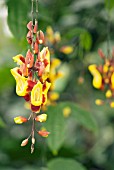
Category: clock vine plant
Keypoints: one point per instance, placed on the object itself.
(32, 77)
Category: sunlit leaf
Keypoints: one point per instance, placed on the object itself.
(109, 4)
(86, 40)
(65, 164)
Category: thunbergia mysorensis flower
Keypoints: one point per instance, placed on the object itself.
(32, 80)
(103, 77)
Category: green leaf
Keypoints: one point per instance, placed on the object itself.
(85, 37)
(5, 73)
(2, 124)
(82, 116)
(18, 17)
(56, 126)
(56, 123)
(65, 164)
(109, 4)
(86, 40)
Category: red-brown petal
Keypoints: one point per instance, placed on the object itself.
(29, 25)
(35, 108)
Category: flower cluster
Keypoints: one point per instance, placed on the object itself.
(32, 78)
(103, 78)
(53, 40)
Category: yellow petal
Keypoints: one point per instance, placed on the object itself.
(112, 80)
(36, 94)
(45, 92)
(17, 59)
(105, 68)
(21, 82)
(97, 78)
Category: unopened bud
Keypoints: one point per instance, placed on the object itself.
(41, 118)
(43, 133)
(20, 120)
(33, 141)
(101, 54)
(29, 25)
(41, 37)
(24, 142)
(35, 27)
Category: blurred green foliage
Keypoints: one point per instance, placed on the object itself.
(85, 139)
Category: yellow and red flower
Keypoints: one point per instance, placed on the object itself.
(103, 77)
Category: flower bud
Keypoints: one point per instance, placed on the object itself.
(41, 118)
(43, 133)
(40, 37)
(29, 25)
(99, 102)
(33, 141)
(24, 142)
(101, 54)
(20, 120)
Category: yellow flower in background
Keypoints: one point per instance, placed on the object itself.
(108, 94)
(97, 78)
(112, 104)
(21, 82)
(67, 49)
(54, 73)
(52, 36)
(99, 102)
(66, 112)
(53, 96)
(36, 94)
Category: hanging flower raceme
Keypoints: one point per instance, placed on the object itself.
(32, 79)
(103, 78)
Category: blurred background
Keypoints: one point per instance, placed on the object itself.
(82, 134)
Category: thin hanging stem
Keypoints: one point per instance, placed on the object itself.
(37, 10)
(32, 12)
(108, 30)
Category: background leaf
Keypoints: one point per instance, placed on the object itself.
(18, 17)
(65, 164)
(109, 4)
(56, 126)
(79, 114)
